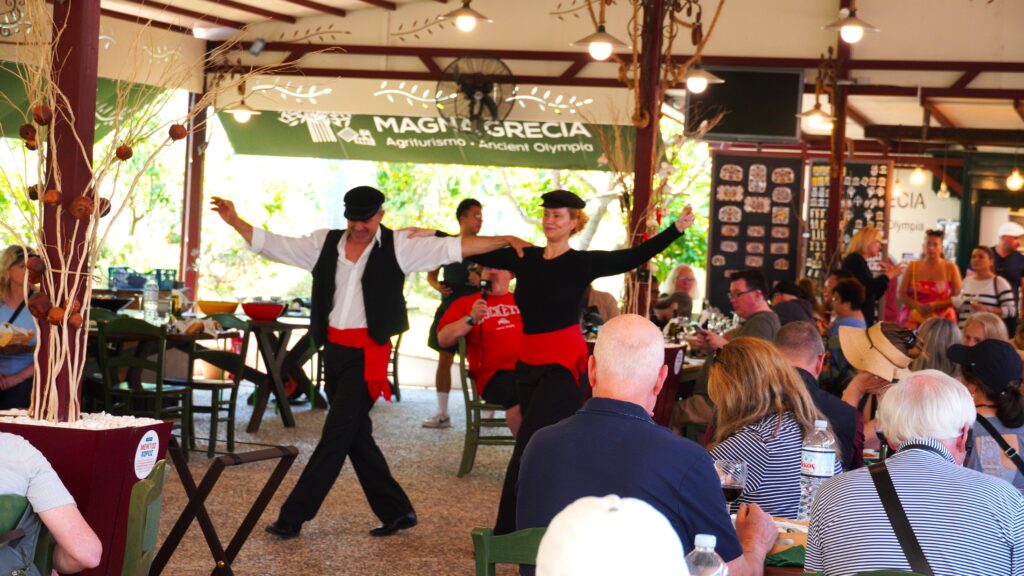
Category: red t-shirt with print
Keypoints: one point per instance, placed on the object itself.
(493, 343)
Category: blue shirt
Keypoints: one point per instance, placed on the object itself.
(989, 458)
(613, 447)
(11, 363)
(838, 360)
(966, 522)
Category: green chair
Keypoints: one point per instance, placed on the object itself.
(12, 506)
(127, 347)
(475, 422)
(92, 392)
(101, 315)
(144, 522)
(519, 547)
(230, 362)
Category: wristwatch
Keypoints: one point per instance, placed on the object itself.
(469, 319)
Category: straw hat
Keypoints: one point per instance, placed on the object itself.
(870, 351)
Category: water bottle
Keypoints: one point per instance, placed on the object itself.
(703, 560)
(150, 301)
(817, 464)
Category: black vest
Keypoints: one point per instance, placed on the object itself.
(383, 285)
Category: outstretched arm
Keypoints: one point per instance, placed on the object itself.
(226, 210)
(609, 263)
(474, 245)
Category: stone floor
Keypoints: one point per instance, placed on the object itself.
(336, 541)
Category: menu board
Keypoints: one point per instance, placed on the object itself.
(755, 219)
(865, 201)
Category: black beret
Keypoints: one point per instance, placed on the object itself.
(362, 203)
(561, 199)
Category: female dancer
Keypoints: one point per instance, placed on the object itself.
(550, 283)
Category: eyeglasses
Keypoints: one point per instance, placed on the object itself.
(736, 295)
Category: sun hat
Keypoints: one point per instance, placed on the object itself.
(869, 350)
(610, 535)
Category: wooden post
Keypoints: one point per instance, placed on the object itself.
(838, 156)
(75, 61)
(645, 156)
(192, 200)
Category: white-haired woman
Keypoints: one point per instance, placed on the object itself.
(16, 370)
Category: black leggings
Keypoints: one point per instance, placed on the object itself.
(547, 394)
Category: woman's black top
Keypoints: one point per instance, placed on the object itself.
(874, 286)
(549, 292)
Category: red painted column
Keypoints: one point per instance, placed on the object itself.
(75, 61)
(645, 155)
(192, 199)
(838, 156)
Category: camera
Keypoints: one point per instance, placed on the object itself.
(485, 286)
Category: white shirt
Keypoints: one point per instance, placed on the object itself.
(24, 471)
(413, 254)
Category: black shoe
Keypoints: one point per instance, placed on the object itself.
(393, 526)
(283, 530)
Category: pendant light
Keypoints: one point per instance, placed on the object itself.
(465, 17)
(851, 28)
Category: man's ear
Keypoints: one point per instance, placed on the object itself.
(662, 374)
(961, 442)
(592, 371)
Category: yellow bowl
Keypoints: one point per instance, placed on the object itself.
(210, 307)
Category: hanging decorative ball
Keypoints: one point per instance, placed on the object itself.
(76, 306)
(52, 197)
(123, 152)
(177, 132)
(75, 321)
(81, 207)
(42, 115)
(33, 192)
(35, 264)
(55, 315)
(39, 305)
(27, 132)
(104, 207)
(32, 145)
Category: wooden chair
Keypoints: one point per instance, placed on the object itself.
(144, 522)
(92, 392)
(230, 362)
(127, 347)
(519, 547)
(475, 422)
(12, 507)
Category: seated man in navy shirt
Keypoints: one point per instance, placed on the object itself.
(611, 446)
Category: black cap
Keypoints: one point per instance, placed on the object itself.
(561, 199)
(787, 287)
(995, 362)
(362, 203)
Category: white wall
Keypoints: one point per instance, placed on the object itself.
(917, 210)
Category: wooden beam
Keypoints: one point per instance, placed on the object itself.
(251, 9)
(965, 79)
(972, 136)
(932, 109)
(189, 13)
(431, 65)
(953, 184)
(1018, 105)
(192, 198)
(857, 116)
(574, 68)
(319, 7)
(381, 4)
(145, 21)
(403, 75)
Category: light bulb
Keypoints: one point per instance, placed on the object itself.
(897, 189)
(943, 190)
(600, 50)
(917, 177)
(696, 84)
(242, 116)
(820, 122)
(1015, 181)
(851, 34)
(465, 23)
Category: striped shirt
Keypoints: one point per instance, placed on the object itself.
(993, 293)
(771, 449)
(966, 522)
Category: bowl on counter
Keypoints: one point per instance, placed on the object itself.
(211, 307)
(263, 311)
(113, 303)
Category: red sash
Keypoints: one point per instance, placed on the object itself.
(375, 362)
(565, 347)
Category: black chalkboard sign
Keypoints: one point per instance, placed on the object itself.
(755, 219)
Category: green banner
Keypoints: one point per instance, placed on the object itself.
(535, 144)
(14, 104)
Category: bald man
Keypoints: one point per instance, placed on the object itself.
(612, 446)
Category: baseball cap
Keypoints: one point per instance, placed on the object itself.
(362, 203)
(1011, 229)
(610, 535)
(995, 362)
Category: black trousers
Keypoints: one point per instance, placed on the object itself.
(547, 394)
(348, 432)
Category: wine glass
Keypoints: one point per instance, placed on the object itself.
(733, 476)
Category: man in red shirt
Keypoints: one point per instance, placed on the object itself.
(493, 329)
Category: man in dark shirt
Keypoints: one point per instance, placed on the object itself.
(611, 446)
(800, 343)
(790, 303)
(1010, 263)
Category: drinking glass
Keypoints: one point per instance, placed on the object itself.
(733, 476)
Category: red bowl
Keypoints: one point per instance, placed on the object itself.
(263, 311)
